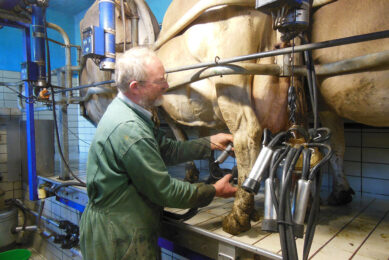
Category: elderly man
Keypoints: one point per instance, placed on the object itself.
(127, 180)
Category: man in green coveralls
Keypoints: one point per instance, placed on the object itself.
(127, 180)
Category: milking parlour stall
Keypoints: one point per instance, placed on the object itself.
(302, 86)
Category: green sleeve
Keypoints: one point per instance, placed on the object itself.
(148, 173)
(175, 152)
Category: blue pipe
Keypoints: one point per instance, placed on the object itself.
(30, 131)
(38, 19)
(107, 23)
(19, 25)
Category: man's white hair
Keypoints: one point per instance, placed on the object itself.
(132, 66)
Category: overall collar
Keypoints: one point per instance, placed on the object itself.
(135, 106)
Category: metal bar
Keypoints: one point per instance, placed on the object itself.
(71, 204)
(14, 17)
(300, 48)
(16, 24)
(62, 126)
(353, 65)
(220, 238)
(68, 81)
(26, 228)
(357, 64)
(48, 220)
(63, 44)
(30, 131)
(86, 86)
(228, 69)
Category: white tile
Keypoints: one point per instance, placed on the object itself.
(352, 168)
(375, 186)
(375, 155)
(352, 154)
(352, 139)
(373, 170)
(5, 111)
(3, 158)
(18, 194)
(11, 74)
(9, 195)
(6, 186)
(3, 148)
(17, 185)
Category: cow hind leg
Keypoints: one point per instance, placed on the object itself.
(341, 192)
(243, 124)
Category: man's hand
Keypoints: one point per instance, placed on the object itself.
(220, 141)
(223, 187)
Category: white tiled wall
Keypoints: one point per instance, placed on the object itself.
(12, 189)
(366, 160)
(367, 165)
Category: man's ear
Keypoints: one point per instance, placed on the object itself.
(134, 85)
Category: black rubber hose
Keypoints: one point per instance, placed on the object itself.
(273, 173)
(312, 82)
(266, 136)
(312, 220)
(290, 238)
(276, 139)
(323, 161)
(322, 134)
(281, 207)
(180, 217)
(55, 190)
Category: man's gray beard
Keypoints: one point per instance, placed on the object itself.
(147, 104)
(158, 102)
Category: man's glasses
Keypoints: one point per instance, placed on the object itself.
(157, 82)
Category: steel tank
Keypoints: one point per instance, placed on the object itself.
(8, 221)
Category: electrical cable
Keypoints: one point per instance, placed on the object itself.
(77, 136)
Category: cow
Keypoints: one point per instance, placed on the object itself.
(200, 31)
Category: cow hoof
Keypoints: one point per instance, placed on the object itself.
(235, 224)
(256, 215)
(341, 198)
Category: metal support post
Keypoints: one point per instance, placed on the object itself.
(63, 128)
(30, 131)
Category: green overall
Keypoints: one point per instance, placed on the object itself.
(128, 185)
